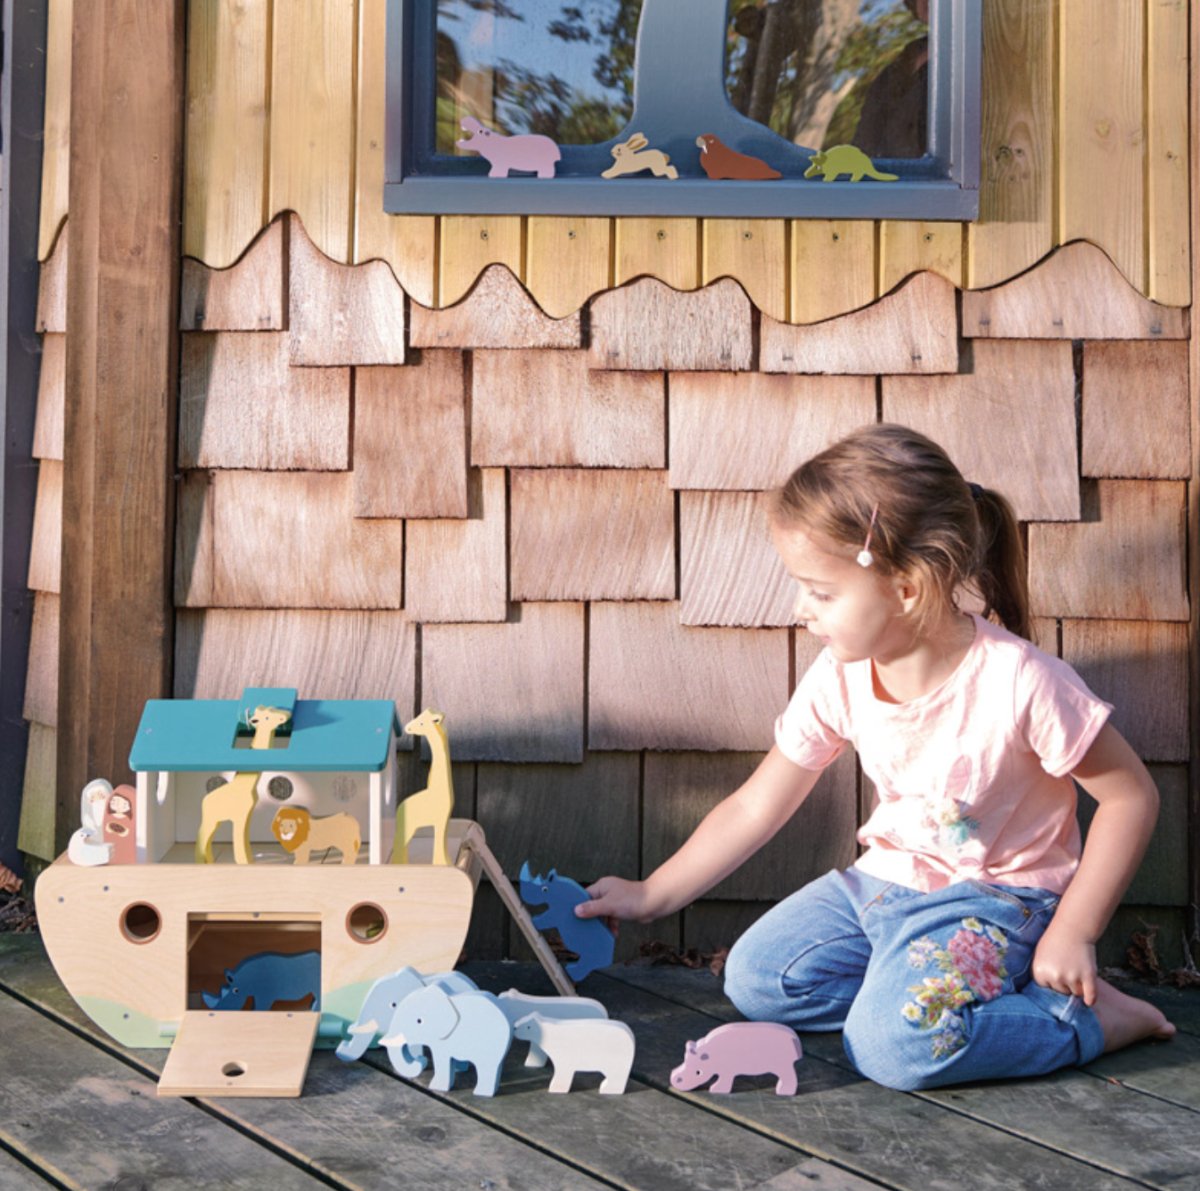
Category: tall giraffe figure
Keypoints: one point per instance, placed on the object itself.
(236, 799)
(430, 807)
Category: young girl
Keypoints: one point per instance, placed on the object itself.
(961, 945)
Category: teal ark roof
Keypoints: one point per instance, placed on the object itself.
(323, 735)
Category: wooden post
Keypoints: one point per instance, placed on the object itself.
(1193, 509)
(117, 624)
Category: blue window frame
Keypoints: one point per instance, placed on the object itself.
(672, 104)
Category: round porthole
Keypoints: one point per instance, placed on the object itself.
(140, 922)
(280, 788)
(366, 923)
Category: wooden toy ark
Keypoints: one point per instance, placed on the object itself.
(589, 938)
(139, 944)
(740, 1048)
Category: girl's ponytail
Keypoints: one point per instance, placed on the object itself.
(1001, 576)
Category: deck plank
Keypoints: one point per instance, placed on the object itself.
(357, 1126)
(1098, 1130)
(85, 1118)
(16, 1176)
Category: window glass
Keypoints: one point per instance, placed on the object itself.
(544, 66)
(833, 72)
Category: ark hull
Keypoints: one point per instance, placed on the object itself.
(136, 944)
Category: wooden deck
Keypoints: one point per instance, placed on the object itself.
(78, 1111)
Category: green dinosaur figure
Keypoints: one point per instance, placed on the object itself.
(845, 159)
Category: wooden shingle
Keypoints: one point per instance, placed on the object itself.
(41, 675)
(548, 409)
(194, 540)
(748, 431)
(1141, 667)
(248, 296)
(410, 439)
(341, 314)
(647, 325)
(324, 655)
(1126, 560)
(51, 400)
(994, 432)
(1162, 877)
(913, 329)
(456, 570)
(1136, 420)
(580, 819)
(286, 540)
(498, 312)
(730, 573)
(1074, 293)
(241, 405)
(591, 534)
(656, 684)
(39, 789)
(512, 691)
(681, 788)
(45, 553)
(51, 313)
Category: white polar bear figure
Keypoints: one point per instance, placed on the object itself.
(588, 1044)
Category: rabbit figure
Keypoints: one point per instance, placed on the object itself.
(632, 157)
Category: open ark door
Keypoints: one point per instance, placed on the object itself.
(239, 1054)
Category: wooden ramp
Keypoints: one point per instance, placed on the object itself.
(78, 1111)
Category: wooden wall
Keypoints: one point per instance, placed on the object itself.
(524, 486)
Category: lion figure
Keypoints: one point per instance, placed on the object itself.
(300, 833)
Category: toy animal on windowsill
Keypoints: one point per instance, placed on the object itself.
(589, 938)
(632, 157)
(845, 159)
(526, 152)
(718, 160)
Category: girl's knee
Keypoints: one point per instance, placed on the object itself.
(755, 990)
(893, 1054)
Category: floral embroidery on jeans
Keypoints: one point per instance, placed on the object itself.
(972, 963)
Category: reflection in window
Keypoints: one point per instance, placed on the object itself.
(544, 66)
(833, 72)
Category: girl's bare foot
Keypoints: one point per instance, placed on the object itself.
(1125, 1019)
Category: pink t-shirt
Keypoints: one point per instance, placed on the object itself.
(972, 776)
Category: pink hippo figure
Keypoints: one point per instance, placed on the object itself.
(740, 1048)
(527, 152)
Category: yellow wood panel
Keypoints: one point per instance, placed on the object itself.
(312, 119)
(832, 267)
(57, 127)
(752, 251)
(907, 247)
(469, 243)
(1016, 187)
(406, 242)
(225, 148)
(1167, 153)
(567, 260)
(1101, 143)
(664, 248)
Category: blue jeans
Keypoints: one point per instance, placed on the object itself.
(928, 988)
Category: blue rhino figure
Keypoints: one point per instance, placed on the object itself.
(589, 938)
(268, 977)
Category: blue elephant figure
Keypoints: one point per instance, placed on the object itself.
(268, 977)
(456, 1028)
(589, 938)
(379, 1006)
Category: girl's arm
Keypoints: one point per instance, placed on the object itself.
(727, 836)
(1127, 799)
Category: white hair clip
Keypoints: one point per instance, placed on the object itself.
(864, 557)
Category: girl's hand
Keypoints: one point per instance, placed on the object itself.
(1066, 963)
(614, 899)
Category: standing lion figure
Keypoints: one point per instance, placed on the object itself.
(300, 833)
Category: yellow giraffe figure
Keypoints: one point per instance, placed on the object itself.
(236, 799)
(430, 807)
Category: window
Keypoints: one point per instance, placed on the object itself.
(774, 80)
